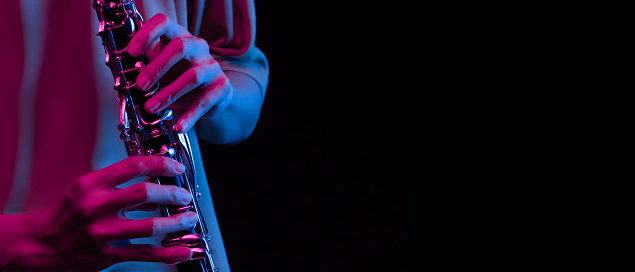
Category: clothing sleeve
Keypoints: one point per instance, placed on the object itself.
(229, 26)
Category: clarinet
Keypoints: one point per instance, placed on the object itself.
(146, 134)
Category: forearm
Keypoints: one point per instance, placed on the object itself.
(235, 122)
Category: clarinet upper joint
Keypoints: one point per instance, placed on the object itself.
(148, 134)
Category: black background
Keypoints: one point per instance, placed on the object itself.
(311, 189)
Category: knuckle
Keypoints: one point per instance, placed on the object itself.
(157, 227)
(224, 83)
(204, 104)
(197, 76)
(174, 193)
(142, 192)
(135, 194)
(183, 222)
(89, 209)
(211, 66)
(74, 200)
(200, 43)
(221, 85)
(212, 69)
(83, 182)
(97, 233)
(137, 165)
(179, 45)
(214, 64)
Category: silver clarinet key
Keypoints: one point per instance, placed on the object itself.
(150, 134)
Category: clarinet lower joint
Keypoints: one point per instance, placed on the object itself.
(146, 134)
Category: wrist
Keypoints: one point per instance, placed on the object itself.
(234, 121)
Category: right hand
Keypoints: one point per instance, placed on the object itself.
(78, 233)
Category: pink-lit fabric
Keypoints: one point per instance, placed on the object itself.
(58, 107)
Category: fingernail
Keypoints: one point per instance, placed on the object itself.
(143, 81)
(179, 167)
(151, 106)
(134, 49)
(192, 218)
(184, 253)
(186, 197)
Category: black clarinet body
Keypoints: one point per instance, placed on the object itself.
(146, 134)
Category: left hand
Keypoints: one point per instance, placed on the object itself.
(192, 81)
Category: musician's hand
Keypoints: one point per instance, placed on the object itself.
(193, 82)
(79, 233)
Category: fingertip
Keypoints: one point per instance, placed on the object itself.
(152, 106)
(186, 197)
(184, 126)
(192, 218)
(143, 82)
(179, 167)
(179, 254)
(183, 254)
(134, 48)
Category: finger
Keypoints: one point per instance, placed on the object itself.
(216, 96)
(148, 207)
(189, 80)
(147, 192)
(190, 48)
(157, 26)
(137, 166)
(148, 253)
(132, 229)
